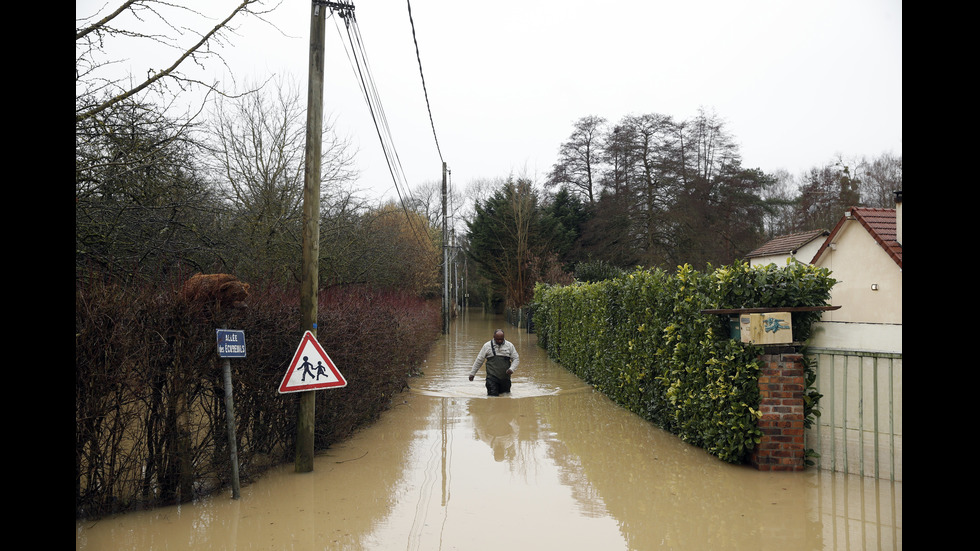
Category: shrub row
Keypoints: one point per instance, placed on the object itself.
(644, 340)
(149, 397)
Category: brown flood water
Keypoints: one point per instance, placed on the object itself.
(554, 465)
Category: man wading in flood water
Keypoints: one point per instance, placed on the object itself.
(502, 360)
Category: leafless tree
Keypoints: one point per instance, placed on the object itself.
(779, 197)
(880, 178)
(257, 148)
(580, 157)
(505, 237)
(142, 205)
(426, 199)
(824, 194)
(653, 184)
(706, 148)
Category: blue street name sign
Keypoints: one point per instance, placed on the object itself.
(231, 343)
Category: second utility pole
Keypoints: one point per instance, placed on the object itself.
(445, 257)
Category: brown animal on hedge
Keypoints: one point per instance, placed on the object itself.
(223, 289)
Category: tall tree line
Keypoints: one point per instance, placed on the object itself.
(662, 191)
(654, 191)
(157, 199)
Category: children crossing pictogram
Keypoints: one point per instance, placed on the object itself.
(303, 375)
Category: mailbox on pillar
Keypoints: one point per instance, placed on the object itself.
(766, 328)
(773, 325)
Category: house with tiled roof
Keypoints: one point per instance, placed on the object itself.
(800, 246)
(864, 255)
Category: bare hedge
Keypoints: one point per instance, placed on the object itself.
(149, 409)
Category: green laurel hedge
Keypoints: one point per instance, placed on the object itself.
(643, 340)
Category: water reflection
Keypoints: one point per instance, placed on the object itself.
(552, 465)
(495, 423)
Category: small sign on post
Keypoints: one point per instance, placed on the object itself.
(231, 343)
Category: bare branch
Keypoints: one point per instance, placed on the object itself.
(170, 71)
(104, 21)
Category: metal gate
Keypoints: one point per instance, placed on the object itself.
(859, 430)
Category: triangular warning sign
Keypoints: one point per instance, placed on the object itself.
(311, 369)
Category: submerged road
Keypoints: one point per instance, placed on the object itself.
(553, 465)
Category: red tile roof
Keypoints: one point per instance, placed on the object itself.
(879, 223)
(787, 244)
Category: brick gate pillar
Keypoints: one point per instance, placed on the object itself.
(781, 387)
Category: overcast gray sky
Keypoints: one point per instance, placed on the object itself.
(797, 83)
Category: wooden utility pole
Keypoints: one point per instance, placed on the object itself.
(311, 228)
(455, 276)
(445, 256)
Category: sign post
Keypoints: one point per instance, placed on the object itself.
(231, 344)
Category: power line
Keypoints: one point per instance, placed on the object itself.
(366, 82)
(424, 90)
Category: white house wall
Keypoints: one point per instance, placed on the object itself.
(858, 262)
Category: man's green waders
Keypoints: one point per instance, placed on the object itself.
(498, 381)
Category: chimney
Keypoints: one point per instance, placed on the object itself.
(898, 216)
